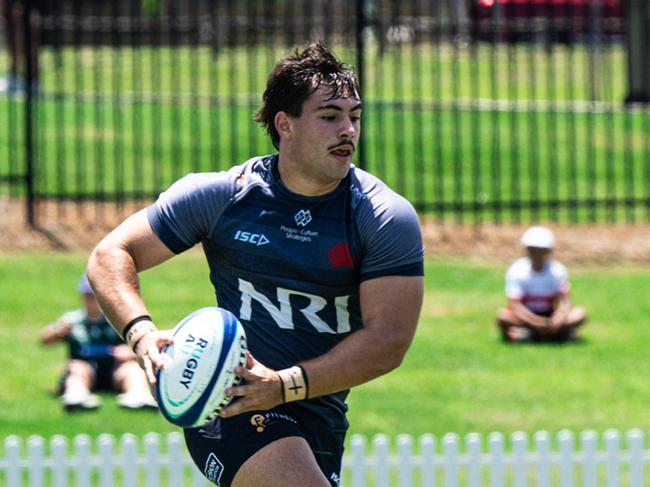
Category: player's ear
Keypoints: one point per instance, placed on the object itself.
(283, 124)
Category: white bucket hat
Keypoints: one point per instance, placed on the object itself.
(539, 237)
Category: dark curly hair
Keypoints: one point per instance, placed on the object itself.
(296, 77)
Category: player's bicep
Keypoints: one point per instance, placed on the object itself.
(136, 237)
(390, 306)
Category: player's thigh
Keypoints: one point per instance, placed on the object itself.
(222, 447)
(287, 461)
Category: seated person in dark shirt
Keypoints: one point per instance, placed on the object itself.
(98, 359)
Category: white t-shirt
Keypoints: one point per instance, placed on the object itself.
(537, 290)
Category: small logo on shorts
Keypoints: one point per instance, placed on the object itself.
(335, 478)
(259, 422)
(213, 468)
(262, 421)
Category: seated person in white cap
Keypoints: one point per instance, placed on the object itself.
(537, 287)
(98, 359)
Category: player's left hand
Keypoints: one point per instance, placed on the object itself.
(261, 391)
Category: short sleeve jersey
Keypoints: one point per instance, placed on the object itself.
(90, 339)
(289, 266)
(537, 290)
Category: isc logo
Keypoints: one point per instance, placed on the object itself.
(252, 238)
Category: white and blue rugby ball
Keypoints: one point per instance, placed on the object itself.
(199, 366)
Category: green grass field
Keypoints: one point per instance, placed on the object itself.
(458, 377)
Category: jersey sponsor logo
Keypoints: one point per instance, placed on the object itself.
(213, 468)
(283, 314)
(300, 235)
(251, 238)
(302, 218)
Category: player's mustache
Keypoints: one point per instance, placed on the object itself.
(348, 144)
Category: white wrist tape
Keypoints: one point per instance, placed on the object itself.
(137, 331)
(295, 386)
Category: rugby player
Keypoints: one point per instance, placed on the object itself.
(321, 262)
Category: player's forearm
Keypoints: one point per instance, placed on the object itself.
(114, 265)
(113, 275)
(361, 357)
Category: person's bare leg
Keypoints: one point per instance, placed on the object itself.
(129, 377)
(512, 329)
(574, 320)
(131, 381)
(80, 376)
(576, 317)
(79, 380)
(285, 462)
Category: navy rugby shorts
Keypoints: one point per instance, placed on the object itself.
(223, 445)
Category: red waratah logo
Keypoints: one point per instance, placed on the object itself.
(340, 256)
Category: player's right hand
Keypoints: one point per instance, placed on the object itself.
(148, 351)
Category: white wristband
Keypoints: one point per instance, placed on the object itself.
(294, 384)
(137, 331)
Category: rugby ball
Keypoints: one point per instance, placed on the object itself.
(199, 366)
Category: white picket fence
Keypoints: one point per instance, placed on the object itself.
(612, 459)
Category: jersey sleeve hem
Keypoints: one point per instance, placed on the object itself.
(414, 269)
(164, 232)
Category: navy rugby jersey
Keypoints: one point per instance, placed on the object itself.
(289, 266)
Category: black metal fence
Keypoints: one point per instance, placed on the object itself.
(499, 110)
